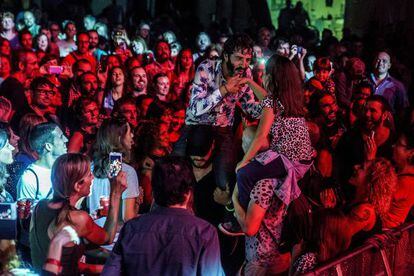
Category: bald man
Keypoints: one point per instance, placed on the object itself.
(387, 86)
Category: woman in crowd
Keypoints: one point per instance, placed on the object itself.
(71, 181)
(161, 87)
(5, 68)
(8, 256)
(283, 118)
(5, 48)
(42, 46)
(114, 136)
(6, 158)
(68, 45)
(337, 230)
(183, 72)
(115, 88)
(84, 136)
(26, 155)
(403, 198)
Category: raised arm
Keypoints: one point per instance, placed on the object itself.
(260, 139)
(88, 229)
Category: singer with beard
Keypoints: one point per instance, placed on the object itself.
(209, 200)
(219, 85)
(371, 137)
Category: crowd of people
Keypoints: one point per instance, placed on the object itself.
(304, 147)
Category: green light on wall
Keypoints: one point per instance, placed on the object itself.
(323, 13)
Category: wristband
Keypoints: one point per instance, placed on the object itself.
(53, 262)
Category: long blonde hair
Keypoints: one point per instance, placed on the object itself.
(382, 181)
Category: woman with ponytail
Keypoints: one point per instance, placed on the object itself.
(71, 181)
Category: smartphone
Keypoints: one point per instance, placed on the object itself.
(115, 163)
(8, 211)
(300, 50)
(8, 221)
(53, 69)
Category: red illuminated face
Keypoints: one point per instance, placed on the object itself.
(117, 77)
(373, 115)
(93, 39)
(162, 87)
(322, 75)
(27, 41)
(89, 85)
(31, 66)
(139, 79)
(328, 108)
(90, 114)
(43, 96)
(186, 59)
(129, 111)
(5, 48)
(83, 43)
(163, 52)
(4, 67)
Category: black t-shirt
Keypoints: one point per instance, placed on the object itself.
(204, 204)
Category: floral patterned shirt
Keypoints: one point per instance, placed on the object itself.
(289, 135)
(262, 248)
(207, 105)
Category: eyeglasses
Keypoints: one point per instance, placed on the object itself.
(45, 92)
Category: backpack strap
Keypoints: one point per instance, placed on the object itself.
(37, 183)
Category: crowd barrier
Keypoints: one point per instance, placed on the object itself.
(395, 256)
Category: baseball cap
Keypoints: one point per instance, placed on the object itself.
(199, 141)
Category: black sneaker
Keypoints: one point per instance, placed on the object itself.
(231, 229)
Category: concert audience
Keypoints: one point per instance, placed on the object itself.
(304, 161)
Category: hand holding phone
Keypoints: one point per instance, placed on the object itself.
(55, 69)
(115, 164)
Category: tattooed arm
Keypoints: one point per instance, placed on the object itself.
(362, 217)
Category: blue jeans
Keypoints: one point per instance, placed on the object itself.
(253, 172)
(224, 160)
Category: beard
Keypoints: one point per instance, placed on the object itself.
(205, 164)
(372, 124)
(235, 71)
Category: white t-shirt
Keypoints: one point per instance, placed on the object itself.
(65, 48)
(102, 187)
(26, 187)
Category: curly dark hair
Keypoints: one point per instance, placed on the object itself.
(236, 43)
